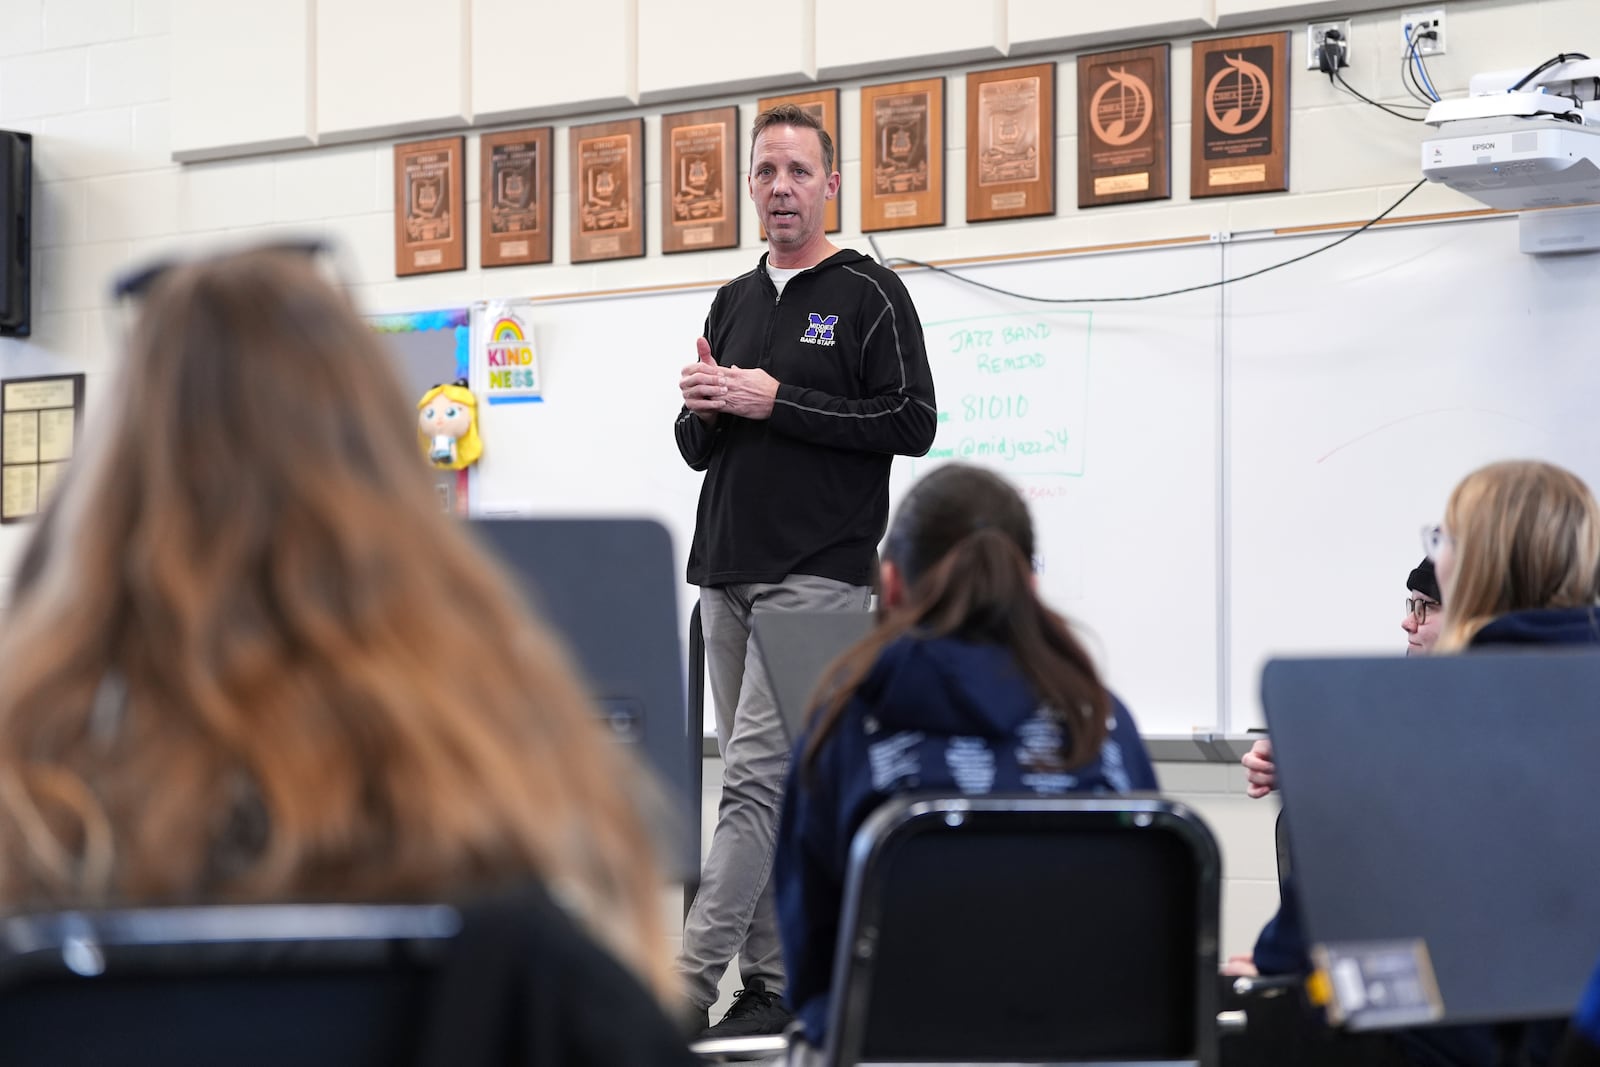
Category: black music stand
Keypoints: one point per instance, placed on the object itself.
(609, 587)
(797, 647)
(1440, 816)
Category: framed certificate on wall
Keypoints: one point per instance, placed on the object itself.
(39, 423)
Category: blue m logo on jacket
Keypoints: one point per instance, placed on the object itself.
(821, 329)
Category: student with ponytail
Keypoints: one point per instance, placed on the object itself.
(969, 684)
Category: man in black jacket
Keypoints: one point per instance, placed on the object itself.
(811, 377)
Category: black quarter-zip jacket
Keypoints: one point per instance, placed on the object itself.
(806, 491)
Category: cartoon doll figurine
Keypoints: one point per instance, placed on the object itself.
(447, 426)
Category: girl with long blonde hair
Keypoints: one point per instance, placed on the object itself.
(1518, 558)
(248, 658)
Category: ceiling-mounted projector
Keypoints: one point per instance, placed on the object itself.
(1521, 142)
(1517, 163)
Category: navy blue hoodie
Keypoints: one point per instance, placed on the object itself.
(934, 715)
(1545, 626)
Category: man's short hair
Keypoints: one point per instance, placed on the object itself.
(793, 115)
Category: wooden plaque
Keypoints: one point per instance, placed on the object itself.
(515, 197)
(824, 105)
(1241, 115)
(699, 180)
(430, 219)
(902, 155)
(1124, 126)
(1011, 143)
(607, 190)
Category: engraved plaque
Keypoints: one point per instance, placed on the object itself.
(1241, 115)
(429, 207)
(515, 171)
(902, 153)
(1011, 139)
(1124, 126)
(823, 105)
(607, 170)
(699, 187)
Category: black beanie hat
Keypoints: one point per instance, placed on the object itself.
(1423, 580)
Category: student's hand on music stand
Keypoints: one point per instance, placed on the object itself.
(1262, 773)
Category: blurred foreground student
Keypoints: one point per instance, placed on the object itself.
(969, 684)
(249, 660)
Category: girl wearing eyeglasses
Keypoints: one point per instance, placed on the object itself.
(1424, 616)
(1422, 622)
(1518, 558)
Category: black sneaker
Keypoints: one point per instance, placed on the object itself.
(755, 1011)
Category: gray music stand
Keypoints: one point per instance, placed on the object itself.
(1445, 804)
(610, 588)
(797, 647)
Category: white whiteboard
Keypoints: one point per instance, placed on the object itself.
(1126, 511)
(1116, 445)
(601, 443)
(1239, 472)
(1365, 383)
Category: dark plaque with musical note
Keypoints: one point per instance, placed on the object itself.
(823, 105)
(607, 190)
(1240, 132)
(515, 187)
(1124, 127)
(902, 155)
(1011, 142)
(700, 180)
(430, 219)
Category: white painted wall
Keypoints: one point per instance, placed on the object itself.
(95, 80)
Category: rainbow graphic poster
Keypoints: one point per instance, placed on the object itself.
(512, 367)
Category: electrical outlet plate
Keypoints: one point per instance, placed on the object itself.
(1431, 18)
(1315, 32)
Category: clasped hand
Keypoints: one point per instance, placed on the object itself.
(709, 390)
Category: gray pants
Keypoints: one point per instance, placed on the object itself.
(733, 913)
